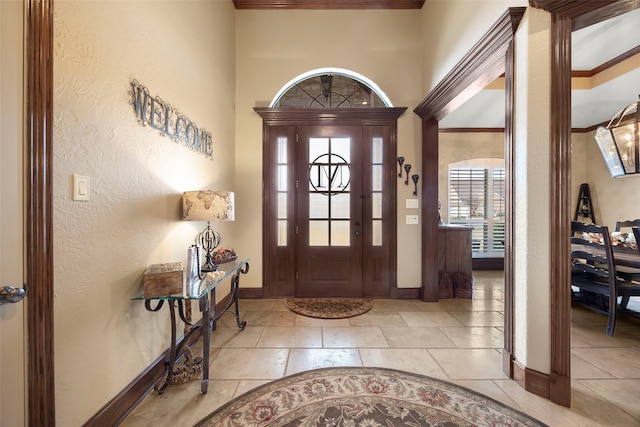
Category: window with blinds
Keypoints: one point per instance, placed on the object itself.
(476, 199)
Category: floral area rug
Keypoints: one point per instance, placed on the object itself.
(329, 308)
(367, 397)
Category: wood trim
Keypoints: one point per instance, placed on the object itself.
(584, 13)
(406, 293)
(429, 210)
(471, 130)
(531, 380)
(39, 212)
(251, 293)
(609, 64)
(356, 116)
(510, 220)
(560, 213)
(328, 4)
(487, 264)
(479, 67)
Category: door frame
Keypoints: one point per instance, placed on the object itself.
(291, 118)
(39, 211)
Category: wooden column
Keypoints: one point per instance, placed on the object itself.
(429, 210)
(560, 215)
(39, 212)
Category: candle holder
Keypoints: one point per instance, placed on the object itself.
(415, 179)
(407, 168)
(400, 162)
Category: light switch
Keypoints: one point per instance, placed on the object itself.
(412, 203)
(412, 219)
(81, 188)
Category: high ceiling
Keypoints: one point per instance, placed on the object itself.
(591, 48)
(595, 98)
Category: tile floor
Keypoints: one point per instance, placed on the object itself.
(455, 340)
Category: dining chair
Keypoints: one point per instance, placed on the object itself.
(594, 280)
(630, 223)
(629, 273)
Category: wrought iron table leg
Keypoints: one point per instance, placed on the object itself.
(235, 289)
(160, 386)
(205, 308)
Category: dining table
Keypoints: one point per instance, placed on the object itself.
(622, 255)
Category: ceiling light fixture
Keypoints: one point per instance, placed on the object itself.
(619, 142)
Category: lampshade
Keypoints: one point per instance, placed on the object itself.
(207, 205)
(619, 142)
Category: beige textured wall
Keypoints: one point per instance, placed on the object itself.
(452, 28)
(182, 51)
(275, 46)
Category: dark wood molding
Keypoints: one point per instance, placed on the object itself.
(471, 130)
(406, 293)
(39, 212)
(328, 4)
(609, 64)
(251, 293)
(584, 13)
(531, 380)
(296, 116)
(510, 219)
(479, 67)
(560, 212)
(429, 210)
(487, 264)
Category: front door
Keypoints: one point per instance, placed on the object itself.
(329, 199)
(330, 202)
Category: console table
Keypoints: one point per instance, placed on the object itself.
(204, 291)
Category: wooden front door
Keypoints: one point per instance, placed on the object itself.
(329, 215)
(330, 202)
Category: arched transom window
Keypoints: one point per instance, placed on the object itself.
(330, 88)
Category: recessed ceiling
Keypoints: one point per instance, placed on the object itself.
(591, 47)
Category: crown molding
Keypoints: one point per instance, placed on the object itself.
(328, 4)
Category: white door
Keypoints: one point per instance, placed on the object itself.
(12, 315)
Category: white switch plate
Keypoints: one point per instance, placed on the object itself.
(412, 219)
(412, 203)
(81, 188)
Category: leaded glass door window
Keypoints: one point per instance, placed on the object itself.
(329, 204)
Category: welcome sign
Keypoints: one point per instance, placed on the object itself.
(160, 115)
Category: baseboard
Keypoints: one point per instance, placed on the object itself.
(251, 293)
(407, 293)
(487, 263)
(531, 380)
(118, 408)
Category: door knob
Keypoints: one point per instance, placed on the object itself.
(11, 294)
(357, 233)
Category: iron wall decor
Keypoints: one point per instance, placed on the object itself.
(400, 162)
(407, 168)
(160, 115)
(415, 184)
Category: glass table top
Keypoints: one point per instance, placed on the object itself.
(200, 288)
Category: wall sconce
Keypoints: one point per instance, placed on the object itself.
(619, 142)
(208, 206)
